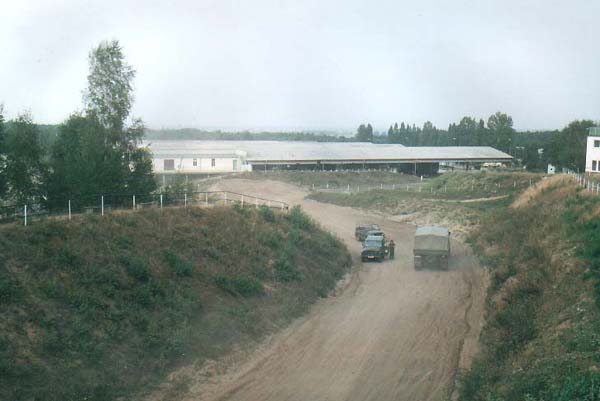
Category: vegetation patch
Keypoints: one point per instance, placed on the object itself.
(101, 309)
(541, 339)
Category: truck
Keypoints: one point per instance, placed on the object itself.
(432, 248)
(374, 248)
(361, 231)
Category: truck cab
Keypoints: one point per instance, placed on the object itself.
(374, 248)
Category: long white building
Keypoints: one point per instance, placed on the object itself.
(189, 156)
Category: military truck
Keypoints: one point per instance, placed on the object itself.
(432, 248)
(361, 231)
(374, 248)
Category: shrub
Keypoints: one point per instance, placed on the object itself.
(136, 268)
(272, 239)
(10, 288)
(285, 271)
(267, 214)
(299, 219)
(181, 267)
(244, 286)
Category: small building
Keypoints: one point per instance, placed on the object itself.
(194, 161)
(592, 154)
(551, 169)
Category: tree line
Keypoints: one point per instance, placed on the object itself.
(95, 151)
(534, 150)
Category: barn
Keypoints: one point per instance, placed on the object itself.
(202, 157)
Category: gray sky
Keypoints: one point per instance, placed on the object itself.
(311, 63)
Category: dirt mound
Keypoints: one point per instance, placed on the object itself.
(542, 186)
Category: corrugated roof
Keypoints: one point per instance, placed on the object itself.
(292, 151)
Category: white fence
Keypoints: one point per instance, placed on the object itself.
(587, 183)
(105, 204)
(424, 186)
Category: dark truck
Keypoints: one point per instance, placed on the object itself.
(374, 248)
(432, 248)
(361, 231)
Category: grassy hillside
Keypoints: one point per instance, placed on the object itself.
(100, 308)
(542, 336)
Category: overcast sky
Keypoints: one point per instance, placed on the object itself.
(307, 64)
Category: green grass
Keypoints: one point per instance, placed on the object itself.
(103, 308)
(541, 341)
(335, 179)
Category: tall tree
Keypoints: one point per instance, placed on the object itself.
(369, 133)
(109, 95)
(24, 170)
(364, 133)
(568, 148)
(97, 152)
(500, 127)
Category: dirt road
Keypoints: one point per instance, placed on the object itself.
(391, 334)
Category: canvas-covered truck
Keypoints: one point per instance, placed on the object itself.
(432, 248)
(361, 230)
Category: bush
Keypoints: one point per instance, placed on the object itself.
(136, 268)
(181, 267)
(299, 219)
(10, 288)
(285, 271)
(267, 214)
(244, 286)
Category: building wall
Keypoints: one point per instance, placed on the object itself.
(592, 155)
(203, 165)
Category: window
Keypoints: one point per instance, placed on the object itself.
(195, 162)
(596, 143)
(212, 162)
(169, 164)
(594, 165)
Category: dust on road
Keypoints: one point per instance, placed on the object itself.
(392, 334)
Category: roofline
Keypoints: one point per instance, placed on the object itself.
(375, 161)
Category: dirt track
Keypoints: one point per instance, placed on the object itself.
(391, 334)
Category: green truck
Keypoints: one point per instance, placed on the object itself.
(432, 248)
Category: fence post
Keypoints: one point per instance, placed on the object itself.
(393, 187)
(185, 199)
(269, 204)
(225, 198)
(102, 205)
(25, 213)
(445, 188)
(282, 206)
(242, 200)
(382, 185)
(69, 209)
(348, 187)
(161, 201)
(133, 202)
(256, 202)
(206, 198)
